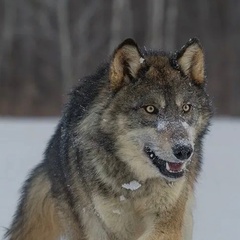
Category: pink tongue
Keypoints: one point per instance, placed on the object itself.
(176, 167)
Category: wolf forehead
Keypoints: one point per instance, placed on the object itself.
(158, 67)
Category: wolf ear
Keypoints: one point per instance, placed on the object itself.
(191, 60)
(126, 62)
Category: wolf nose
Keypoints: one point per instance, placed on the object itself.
(182, 152)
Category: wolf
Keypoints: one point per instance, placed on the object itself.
(125, 156)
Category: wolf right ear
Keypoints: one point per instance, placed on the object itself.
(126, 62)
(191, 60)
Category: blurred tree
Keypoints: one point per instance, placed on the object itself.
(65, 44)
(9, 10)
(121, 16)
(170, 24)
(156, 13)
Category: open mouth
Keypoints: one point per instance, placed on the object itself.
(168, 169)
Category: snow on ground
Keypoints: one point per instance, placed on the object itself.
(22, 143)
(217, 211)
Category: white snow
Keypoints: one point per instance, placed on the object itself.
(190, 130)
(161, 125)
(22, 142)
(141, 60)
(122, 198)
(217, 210)
(133, 185)
(116, 211)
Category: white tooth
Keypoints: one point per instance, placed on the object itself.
(167, 167)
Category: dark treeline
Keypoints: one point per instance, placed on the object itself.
(47, 45)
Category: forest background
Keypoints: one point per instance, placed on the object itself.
(46, 46)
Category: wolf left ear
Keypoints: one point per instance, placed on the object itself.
(191, 60)
(125, 64)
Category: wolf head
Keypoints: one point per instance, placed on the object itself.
(160, 110)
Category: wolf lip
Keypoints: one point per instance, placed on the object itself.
(168, 169)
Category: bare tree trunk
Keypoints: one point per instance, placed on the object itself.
(65, 44)
(121, 24)
(171, 23)
(8, 29)
(80, 32)
(156, 21)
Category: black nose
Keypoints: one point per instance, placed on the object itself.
(182, 152)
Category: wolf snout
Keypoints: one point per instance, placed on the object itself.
(182, 152)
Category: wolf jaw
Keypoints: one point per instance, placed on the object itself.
(167, 169)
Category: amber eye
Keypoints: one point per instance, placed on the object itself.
(186, 107)
(151, 109)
